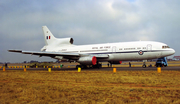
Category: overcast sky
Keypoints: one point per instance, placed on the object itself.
(87, 21)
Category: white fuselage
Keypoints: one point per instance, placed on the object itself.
(122, 51)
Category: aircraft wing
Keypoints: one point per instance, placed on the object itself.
(50, 54)
(65, 55)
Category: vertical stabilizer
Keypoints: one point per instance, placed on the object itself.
(48, 36)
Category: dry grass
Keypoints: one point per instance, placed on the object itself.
(90, 87)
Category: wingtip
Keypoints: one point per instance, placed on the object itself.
(11, 50)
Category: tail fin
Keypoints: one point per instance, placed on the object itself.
(48, 36)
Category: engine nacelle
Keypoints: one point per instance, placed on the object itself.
(58, 42)
(65, 41)
(115, 62)
(89, 60)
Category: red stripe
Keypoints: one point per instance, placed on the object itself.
(49, 37)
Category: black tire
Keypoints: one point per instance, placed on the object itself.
(144, 66)
(99, 66)
(81, 66)
(78, 66)
(158, 65)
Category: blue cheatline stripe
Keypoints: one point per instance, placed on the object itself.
(128, 52)
(46, 37)
(113, 52)
(81, 53)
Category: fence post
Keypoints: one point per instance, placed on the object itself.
(159, 69)
(24, 69)
(4, 69)
(114, 70)
(49, 69)
(79, 69)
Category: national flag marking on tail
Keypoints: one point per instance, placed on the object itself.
(48, 37)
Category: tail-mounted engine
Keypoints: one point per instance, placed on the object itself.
(65, 41)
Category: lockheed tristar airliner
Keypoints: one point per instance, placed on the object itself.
(92, 55)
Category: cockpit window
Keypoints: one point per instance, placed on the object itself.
(164, 47)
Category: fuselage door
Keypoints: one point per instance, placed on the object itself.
(114, 49)
(149, 47)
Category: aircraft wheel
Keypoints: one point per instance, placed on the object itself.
(84, 66)
(159, 65)
(100, 65)
(77, 66)
(144, 66)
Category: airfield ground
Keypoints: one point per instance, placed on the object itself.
(90, 86)
(104, 64)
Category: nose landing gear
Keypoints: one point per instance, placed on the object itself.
(144, 63)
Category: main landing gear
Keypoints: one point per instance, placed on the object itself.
(144, 63)
(98, 65)
(109, 64)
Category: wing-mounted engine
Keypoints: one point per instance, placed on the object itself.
(88, 60)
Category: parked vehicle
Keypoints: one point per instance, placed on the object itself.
(161, 62)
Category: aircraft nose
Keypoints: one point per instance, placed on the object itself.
(173, 51)
(168, 52)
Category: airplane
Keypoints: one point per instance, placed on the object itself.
(91, 55)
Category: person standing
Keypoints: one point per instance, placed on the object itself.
(129, 64)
